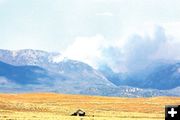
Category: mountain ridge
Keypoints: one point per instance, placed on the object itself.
(72, 77)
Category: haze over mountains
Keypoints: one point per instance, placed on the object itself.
(39, 71)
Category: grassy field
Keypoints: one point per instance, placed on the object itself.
(59, 107)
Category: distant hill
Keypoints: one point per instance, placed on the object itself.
(39, 71)
(166, 76)
(33, 71)
(23, 74)
(159, 76)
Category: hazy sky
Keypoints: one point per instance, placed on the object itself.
(89, 29)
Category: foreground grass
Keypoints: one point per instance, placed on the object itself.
(60, 107)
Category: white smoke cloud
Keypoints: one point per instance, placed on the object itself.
(86, 49)
(128, 53)
(139, 49)
(168, 51)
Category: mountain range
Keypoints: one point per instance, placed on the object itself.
(39, 71)
(161, 76)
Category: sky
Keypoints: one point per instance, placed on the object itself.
(123, 34)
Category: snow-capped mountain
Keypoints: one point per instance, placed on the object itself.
(66, 76)
(39, 71)
(29, 57)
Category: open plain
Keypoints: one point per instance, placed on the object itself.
(49, 106)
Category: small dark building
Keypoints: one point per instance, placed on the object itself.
(78, 113)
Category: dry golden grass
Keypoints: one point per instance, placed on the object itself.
(59, 107)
